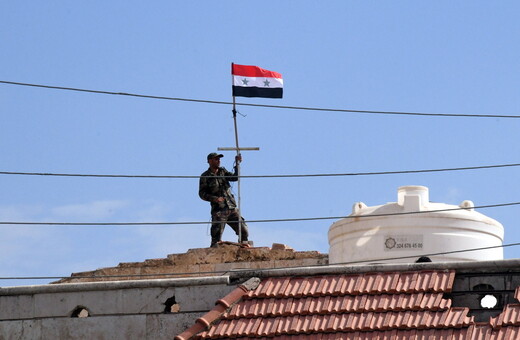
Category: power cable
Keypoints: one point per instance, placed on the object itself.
(113, 93)
(262, 105)
(264, 176)
(252, 221)
(259, 269)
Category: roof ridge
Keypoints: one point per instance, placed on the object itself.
(221, 306)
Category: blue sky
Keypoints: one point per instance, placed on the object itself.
(427, 56)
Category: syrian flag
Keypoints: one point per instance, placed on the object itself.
(253, 81)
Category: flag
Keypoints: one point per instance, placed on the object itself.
(253, 81)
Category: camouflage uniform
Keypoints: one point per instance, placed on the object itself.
(212, 186)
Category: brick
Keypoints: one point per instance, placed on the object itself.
(280, 246)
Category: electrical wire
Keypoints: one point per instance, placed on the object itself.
(112, 93)
(254, 221)
(264, 176)
(262, 105)
(376, 260)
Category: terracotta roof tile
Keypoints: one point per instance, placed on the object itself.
(413, 334)
(509, 316)
(369, 283)
(313, 287)
(475, 332)
(239, 328)
(330, 283)
(389, 282)
(351, 322)
(497, 321)
(387, 305)
(220, 309)
(478, 332)
(406, 280)
(293, 286)
(284, 288)
(337, 304)
(263, 329)
(341, 285)
(509, 333)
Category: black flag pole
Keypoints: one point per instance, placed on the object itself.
(255, 82)
(238, 150)
(237, 160)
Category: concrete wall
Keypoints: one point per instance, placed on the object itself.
(149, 327)
(117, 310)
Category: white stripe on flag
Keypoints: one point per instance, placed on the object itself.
(257, 82)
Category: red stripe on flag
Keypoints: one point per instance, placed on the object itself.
(253, 71)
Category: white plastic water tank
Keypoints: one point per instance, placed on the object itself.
(366, 236)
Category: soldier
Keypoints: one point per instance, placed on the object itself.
(214, 187)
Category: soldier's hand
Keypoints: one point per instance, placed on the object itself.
(238, 158)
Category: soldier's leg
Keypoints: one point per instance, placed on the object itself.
(218, 223)
(233, 223)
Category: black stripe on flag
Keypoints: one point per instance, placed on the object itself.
(265, 92)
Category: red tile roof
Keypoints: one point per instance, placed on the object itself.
(270, 307)
(509, 317)
(388, 305)
(358, 284)
(221, 305)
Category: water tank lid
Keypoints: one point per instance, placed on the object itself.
(411, 194)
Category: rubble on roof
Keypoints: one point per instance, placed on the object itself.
(205, 262)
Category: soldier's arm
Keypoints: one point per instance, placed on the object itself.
(204, 192)
(231, 176)
(238, 160)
